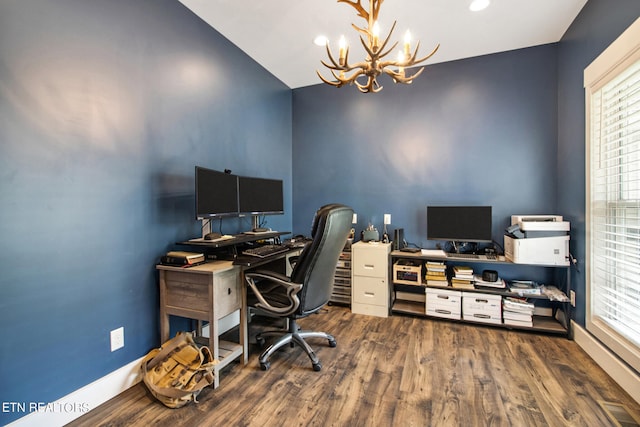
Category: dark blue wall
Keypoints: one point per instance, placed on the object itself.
(599, 23)
(479, 131)
(105, 108)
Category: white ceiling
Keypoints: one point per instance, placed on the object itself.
(279, 34)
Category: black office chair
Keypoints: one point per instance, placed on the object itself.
(309, 287)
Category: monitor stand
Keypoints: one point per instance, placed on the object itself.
(457, 247)
(256, 229)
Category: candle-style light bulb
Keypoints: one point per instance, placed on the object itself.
(343, 48)
(376, 35)
(407, 43)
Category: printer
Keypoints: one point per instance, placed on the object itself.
(537, 239)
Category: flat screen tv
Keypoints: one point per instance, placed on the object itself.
(459, 223)
(216, 193)
(260, 196)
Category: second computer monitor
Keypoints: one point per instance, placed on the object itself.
(260, 196)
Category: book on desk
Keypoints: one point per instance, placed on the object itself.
(182, 258)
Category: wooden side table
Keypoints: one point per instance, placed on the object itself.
(207, 293)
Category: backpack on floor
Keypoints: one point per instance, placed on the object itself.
(178, 371)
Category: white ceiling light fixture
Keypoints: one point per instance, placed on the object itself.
(478, 5)
(374, 64)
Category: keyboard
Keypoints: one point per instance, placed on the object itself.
(265, 250)
(471, 256)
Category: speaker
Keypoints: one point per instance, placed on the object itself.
(490, 275)
(398, 239)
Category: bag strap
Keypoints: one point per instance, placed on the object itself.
(178, 341)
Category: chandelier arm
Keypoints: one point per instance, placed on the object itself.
(373, 55)
(399, 78)
(357, 5)
(360, 30)
(374, 9)
(382, 55)
(331, 58)
(329, 82)
(413, 59)
(387, 39)
(348, 80)
(331, 67)
(364, 88)
(416, 74)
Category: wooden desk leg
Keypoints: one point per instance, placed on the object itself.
(164, 317)
(214, 332)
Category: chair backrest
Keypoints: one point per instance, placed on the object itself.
(316, 266)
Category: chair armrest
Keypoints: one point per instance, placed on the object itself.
(277, 279)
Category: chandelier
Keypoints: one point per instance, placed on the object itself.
(374, 63)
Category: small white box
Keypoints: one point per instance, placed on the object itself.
(485, 308)
(443, 303)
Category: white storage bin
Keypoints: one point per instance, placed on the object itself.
(443, 303)
(485, 308)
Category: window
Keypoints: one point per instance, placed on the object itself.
(612, 90)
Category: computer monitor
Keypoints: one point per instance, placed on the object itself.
(216, 193)
(260, 196)
(459, 223)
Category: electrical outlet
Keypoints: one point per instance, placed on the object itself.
(572, 296)
(117, 338)
(387, 219)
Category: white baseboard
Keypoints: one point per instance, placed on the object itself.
(626, 377)
(81, 401)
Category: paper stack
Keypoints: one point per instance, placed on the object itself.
(517, 311)
(499, 283)
(525, 287)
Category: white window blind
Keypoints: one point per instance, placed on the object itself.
(613, 207)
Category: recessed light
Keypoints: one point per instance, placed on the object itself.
(320, 41)
(478, 5)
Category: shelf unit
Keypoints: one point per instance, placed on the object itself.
(341, 293)
(554, 318)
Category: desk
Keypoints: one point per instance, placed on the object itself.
(206, 292)
(237, 240)
(209, 292)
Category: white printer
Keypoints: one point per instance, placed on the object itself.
(537, 239)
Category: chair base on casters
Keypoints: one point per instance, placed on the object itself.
(294, 336)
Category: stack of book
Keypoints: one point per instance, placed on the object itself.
(182, 259)
(517, 311)
(436, 274)
(462, 277)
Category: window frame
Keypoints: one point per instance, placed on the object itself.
(620, 55)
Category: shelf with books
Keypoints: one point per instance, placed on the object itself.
(551, 310)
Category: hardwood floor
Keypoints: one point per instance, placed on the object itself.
(397, 371)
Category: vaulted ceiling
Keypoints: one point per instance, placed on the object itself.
(279, 34)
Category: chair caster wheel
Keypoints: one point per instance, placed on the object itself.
(317, 366)
(260, 341)
(265, 366)
(332, 343)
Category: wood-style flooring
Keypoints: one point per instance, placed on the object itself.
(396, 371)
